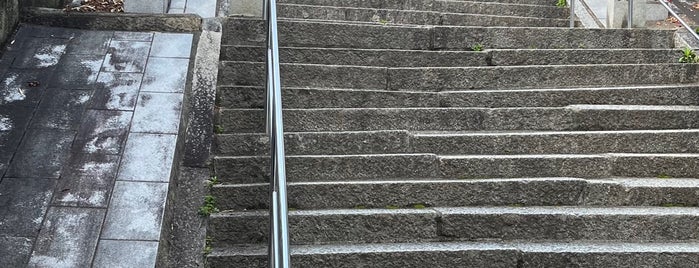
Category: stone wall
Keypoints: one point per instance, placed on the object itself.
(9, 15)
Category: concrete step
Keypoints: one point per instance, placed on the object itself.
(253, 97)
(461, 193)
(459, 78)
(396, 16)
(426, 58)
(299, 33)
(463, 223)
(574, 117)
(473, 7)
(470, 255)
(386, 167)
(460, 143)
(401, 4)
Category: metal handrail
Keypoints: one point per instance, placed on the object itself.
(274, 126)
(684, 23)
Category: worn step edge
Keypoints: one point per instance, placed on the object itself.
(447, 224)
(451, 58)
(252, 169)
(446, 193)
(298, 98)
(458, 142)
(472, 255)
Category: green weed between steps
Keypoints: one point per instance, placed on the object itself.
(383, 21)
(672, 205)
(562, 3)
(207, 247)
(689, 56)
(212, 181)
(218, 129)
(477, 47)
(663, 176)
(208, 207)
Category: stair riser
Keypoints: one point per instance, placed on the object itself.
(582, 167)
(255, 170)
(471, 259)
(467, 78)
(406, 58)
(446, 259)
(402, 142)
(316, 34)
(413, 226)
(413, 167)
(323, 143)
(444, 79)
(570, 227)
(449, 194)
(418, 17)
(500, 9)
(252, 121)
(400, 4)
(452, 194)
(327, 228)
(378, 58)
(253, 97)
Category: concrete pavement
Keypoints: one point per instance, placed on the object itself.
(89, 123)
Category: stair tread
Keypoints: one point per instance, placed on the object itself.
(627, 182)
(575, 246)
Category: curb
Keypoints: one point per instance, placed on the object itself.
(184, 23)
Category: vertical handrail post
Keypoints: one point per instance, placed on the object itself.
(572, 13)
(630, 16)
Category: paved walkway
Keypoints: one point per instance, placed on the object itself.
(89, 122)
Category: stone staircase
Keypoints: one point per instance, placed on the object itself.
(552, 147)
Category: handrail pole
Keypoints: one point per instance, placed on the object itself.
(279, 225)
(629, 18)
(684, 23)
(572, 13)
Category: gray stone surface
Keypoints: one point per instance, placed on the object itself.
(15, 251)
(170, 45)
(126, 56)
(90, 42)
(498, 132)
(113, 21)
(24, 202)
(157, 113)
(309, 227)
(68, 238)
(203, 8)
(319, 34)
(45, 53)
(136, 211)
(323, 168)
(360, 57)
(42, 154)
(156, 7)
(87, 181)
(148, 157)
(116, 91)
(14, 89)
(187, 229)
(133, 36)
(10, 16)
(165, 75)
(202, 101)
(419, 17)
(120, 254)
(77, 71)
(103, 132)
(80, 97)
